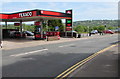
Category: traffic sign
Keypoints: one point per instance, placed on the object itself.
(57, 27)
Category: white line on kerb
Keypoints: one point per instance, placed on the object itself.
(66, 45)
(15, 55)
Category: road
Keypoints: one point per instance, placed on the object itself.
(103, 65)
(51, 60)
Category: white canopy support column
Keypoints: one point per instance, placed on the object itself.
(21, 27)
(0, 32)
(6, 24)
(41, 28)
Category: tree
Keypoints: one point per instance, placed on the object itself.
(90, 29)
(101, 28)
(79, 29)
(28, 27)
(95, 28)
(62, 28)
(86, 29)
(53, 23)
(111, 28)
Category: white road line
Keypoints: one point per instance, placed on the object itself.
(15, 55)
(67, 45)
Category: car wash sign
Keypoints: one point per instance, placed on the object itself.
(69, 21)
(25, 14)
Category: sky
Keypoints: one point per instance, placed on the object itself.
(81, 10)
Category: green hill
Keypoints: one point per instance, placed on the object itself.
(108, 23)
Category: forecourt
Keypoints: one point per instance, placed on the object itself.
(39, 16)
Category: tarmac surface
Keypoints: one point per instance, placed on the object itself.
(103, 65)
(50, 58)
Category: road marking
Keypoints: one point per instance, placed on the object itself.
(67, 45)
(77, 65)
(21, 54)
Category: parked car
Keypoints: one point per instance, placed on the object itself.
(108, 32)
(94, 32)
(7, 32)
(116, 30)
(29, 33)
(17, 34)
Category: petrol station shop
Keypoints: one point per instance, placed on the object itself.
(39, 17)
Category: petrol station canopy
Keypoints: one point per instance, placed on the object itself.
(32, 15)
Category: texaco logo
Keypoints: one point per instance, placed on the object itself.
(25, 14)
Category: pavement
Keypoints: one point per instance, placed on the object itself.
(9, 44)
(103, 65)
(49, 60)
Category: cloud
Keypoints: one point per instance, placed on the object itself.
(98, 11)
(32, 4)
(52, 4)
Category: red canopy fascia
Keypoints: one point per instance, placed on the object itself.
(32, 15)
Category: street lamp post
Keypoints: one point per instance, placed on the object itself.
(89, 27)
(104, 23)
(105, 28)
(88, 30)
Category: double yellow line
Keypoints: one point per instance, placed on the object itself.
(77, 65)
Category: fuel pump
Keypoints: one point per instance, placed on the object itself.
(38, 30)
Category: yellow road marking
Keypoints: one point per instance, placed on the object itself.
(74, 67)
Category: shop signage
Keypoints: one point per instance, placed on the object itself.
(27, 14)
(69, 21)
